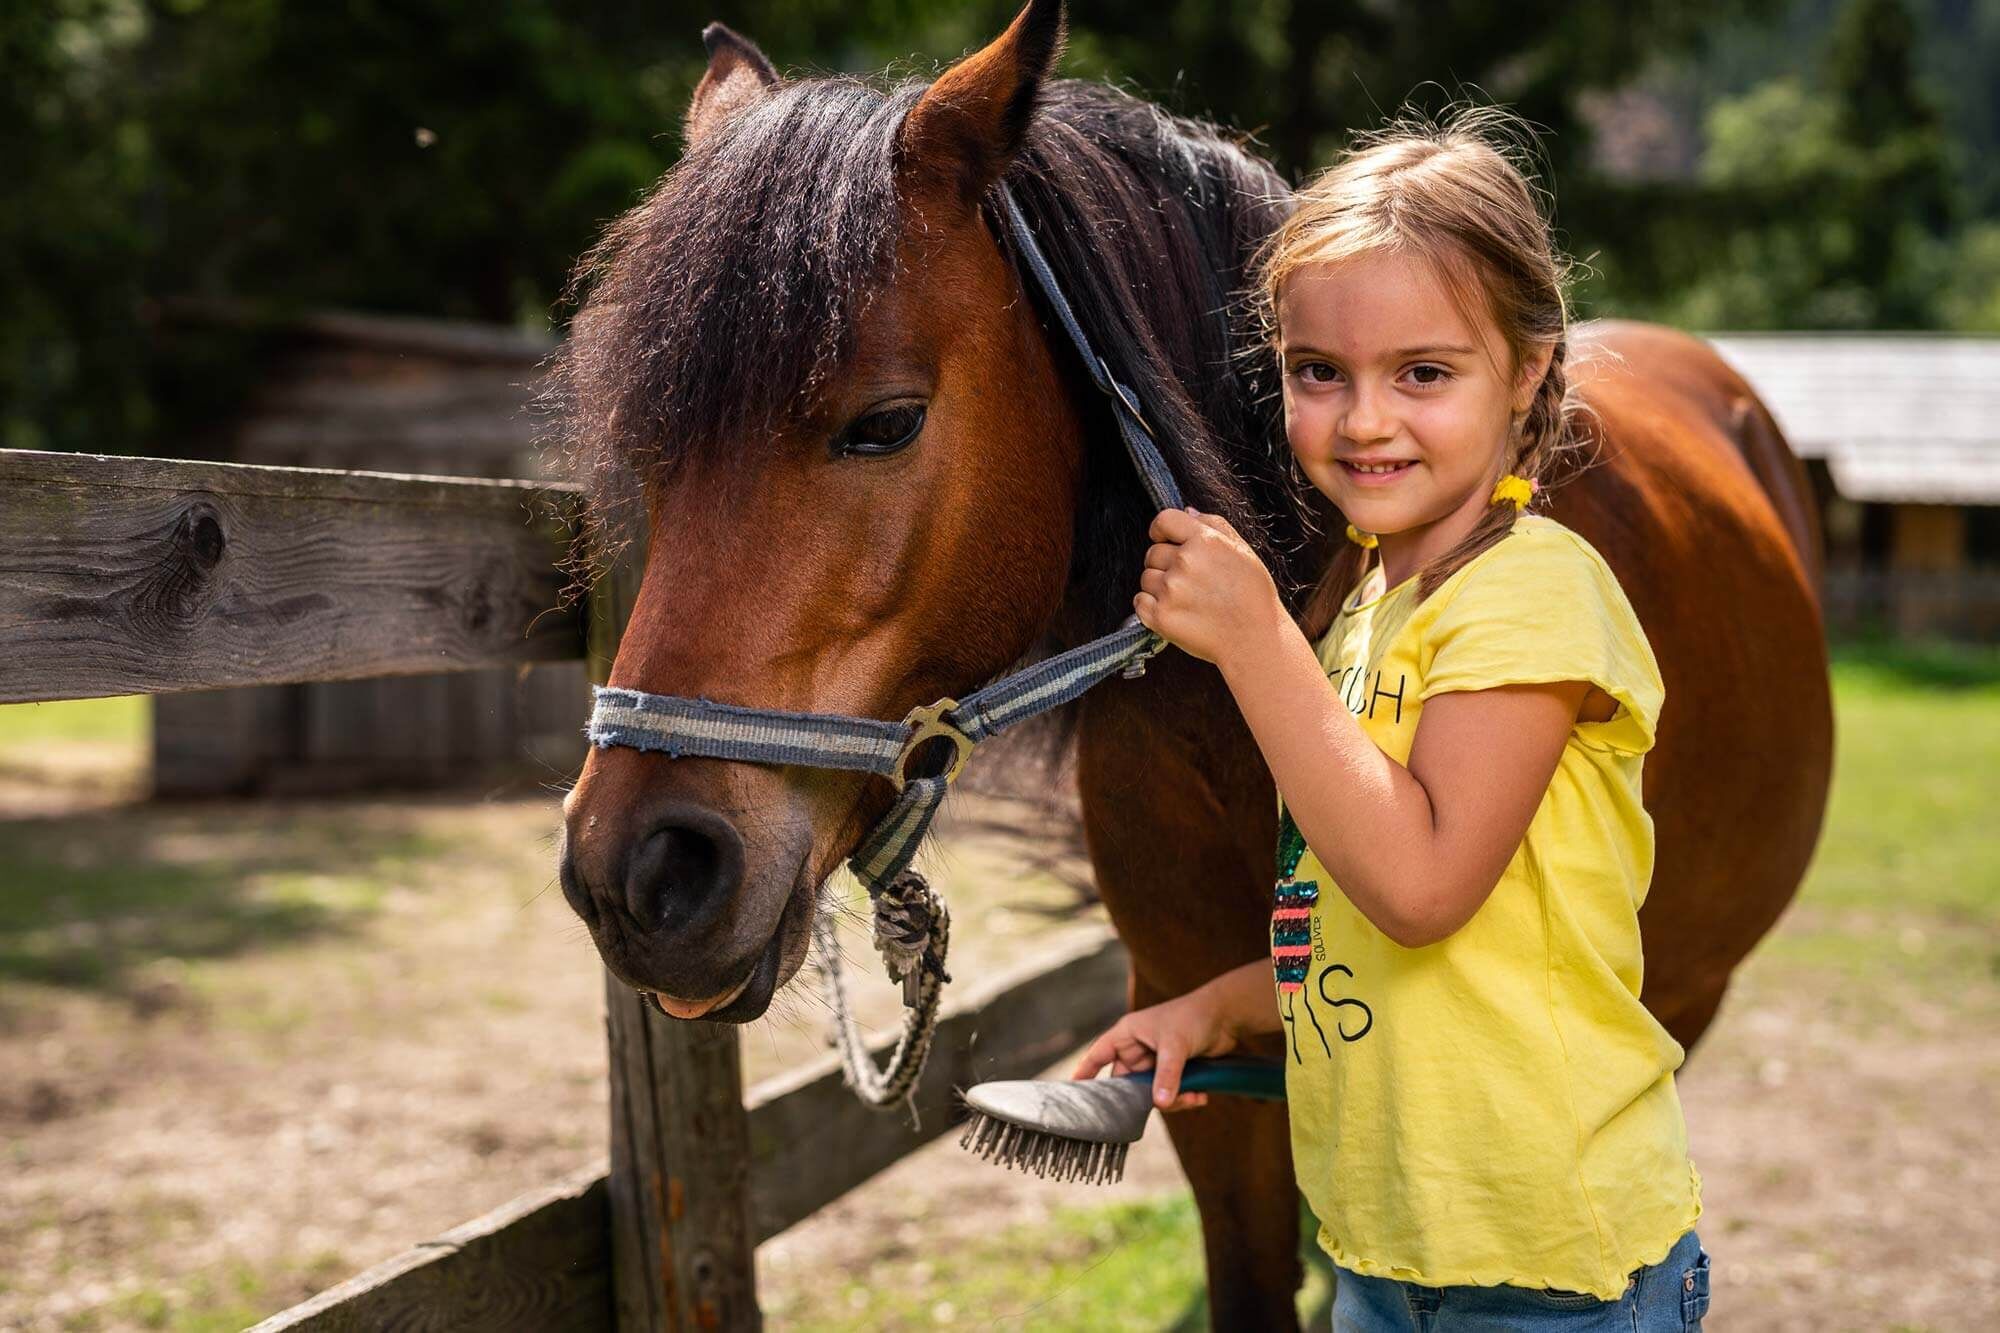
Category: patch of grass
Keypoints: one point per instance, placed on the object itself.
(504, 1001)
(1129, 1266)
(1897, 665)
(106, 893)
(1906, 882)
(126, 719)
(89, 926)
(198, 1309)
(216, 1302)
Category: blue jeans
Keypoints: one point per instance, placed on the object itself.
(1665, 1297)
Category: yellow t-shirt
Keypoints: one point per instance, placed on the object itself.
(1498, 1107)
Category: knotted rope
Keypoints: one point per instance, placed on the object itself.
(912, 931)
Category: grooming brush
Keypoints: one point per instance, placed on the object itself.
(1080, 1129)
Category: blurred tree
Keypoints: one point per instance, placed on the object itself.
(427, 156)
(1838, 200)
(1971, 300)
(72, 230)
(445, 158)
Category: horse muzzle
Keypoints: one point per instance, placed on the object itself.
(683, 908)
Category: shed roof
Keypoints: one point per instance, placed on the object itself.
(1898, 417)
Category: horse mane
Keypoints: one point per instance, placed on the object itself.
(1151, 222)
(734, 288)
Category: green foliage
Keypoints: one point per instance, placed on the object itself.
(72, 232)
(425, 156)
(1831, 196)
(1970, 302)
(442, 158)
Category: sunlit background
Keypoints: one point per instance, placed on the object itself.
(285, 985)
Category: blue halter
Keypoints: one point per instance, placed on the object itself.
(679, 726)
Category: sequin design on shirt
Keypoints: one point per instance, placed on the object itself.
(1293, 951)
(1291, 916)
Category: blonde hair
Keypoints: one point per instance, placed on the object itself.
(1458, 192)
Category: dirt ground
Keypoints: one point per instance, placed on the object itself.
(247, 1050)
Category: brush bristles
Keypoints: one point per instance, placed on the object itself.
(1050, 1156)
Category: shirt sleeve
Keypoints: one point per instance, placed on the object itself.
(1543, 606)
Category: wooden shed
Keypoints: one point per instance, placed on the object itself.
(1901, 435)
(392, 394)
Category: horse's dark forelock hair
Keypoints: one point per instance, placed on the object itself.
(722, 303)
(729, 293)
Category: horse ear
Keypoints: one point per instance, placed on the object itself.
(968, 125)
(738, 73)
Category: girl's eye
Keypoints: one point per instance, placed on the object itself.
(882, 431)
(1316, 372)
(1429, 375)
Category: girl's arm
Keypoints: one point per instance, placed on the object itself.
(1417, 849)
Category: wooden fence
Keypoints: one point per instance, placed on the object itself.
(130, 575)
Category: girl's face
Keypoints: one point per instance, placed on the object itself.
(1397, 408)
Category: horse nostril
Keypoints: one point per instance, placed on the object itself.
(573, 888)
(684, 869)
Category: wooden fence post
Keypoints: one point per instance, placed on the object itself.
(681, 1253)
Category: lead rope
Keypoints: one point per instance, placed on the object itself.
(912, 930)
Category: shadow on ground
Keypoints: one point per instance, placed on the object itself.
(85, 899)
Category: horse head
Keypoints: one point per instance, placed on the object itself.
(860, 471)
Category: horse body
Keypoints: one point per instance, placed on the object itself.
(1710, 532)
(784, 575)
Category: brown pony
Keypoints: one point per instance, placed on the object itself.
(873, 476)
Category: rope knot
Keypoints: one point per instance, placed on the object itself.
(906, 920)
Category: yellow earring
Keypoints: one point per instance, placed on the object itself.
(1365, 540)
(1517, 489)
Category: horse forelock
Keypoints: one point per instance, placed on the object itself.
(715, 309)
(725, 297)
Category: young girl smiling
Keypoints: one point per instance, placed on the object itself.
(1483, 1114)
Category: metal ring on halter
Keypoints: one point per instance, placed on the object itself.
(930, 724)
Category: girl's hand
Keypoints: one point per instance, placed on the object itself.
(1204, 589)
(1161, 1038)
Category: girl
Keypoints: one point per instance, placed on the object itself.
(1483, 1115)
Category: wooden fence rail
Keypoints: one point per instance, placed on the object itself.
(136, 575)
(145, 575)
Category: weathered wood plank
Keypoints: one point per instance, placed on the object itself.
(539, 1262)
(682, 1256)
(811, 1141)
(143, 575)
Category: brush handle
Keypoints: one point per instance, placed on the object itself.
(1259, 1079)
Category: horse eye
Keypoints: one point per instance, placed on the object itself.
(882, 432)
